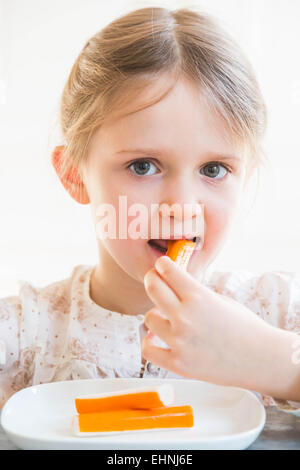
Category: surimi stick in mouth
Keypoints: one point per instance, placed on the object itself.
(180, 251)
(135, 398)
(94, 424)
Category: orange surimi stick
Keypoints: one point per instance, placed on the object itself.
(137, 398)
(180, 251)
(93, 424)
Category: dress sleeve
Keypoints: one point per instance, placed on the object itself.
(275, 297)
(18, 318)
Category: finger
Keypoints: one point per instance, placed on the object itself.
(162, 357)
(160, 292)
(158, 324)
(180, 281)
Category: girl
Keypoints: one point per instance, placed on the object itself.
(162, 108)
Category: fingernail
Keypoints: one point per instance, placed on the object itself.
(158, 262)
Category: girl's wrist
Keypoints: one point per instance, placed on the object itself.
(280, 371)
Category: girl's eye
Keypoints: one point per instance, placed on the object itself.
(213, 170)
(141, 167)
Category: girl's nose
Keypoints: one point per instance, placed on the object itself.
(181, 201)
(181, 210)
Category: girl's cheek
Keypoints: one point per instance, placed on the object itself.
(217, 223)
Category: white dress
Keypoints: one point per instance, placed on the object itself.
(58, 333)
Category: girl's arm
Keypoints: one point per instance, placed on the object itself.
(274, 297)
(224, 337)
(286, 370)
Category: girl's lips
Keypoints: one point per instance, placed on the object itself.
(161, 246)
(164, 243)
(158, 247)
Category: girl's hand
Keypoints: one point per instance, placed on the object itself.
(211, 337)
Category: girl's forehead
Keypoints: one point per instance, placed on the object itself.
(181, 120)
(183, 102)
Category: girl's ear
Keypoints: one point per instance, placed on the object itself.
(71, 180)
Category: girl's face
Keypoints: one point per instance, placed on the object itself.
(173, 152)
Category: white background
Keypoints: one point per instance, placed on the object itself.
(44, 232)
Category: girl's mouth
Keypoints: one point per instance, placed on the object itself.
(161, 245)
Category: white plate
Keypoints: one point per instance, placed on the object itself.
(39, 417)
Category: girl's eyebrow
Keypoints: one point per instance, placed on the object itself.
(153, 151)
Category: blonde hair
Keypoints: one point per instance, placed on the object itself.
(129, 54)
